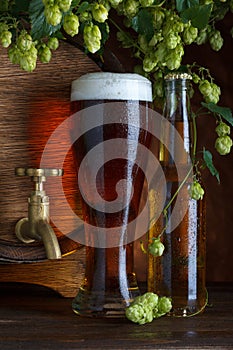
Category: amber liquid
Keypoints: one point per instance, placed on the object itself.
(110, 283)
(180, 272)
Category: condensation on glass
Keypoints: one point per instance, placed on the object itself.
(110, 283)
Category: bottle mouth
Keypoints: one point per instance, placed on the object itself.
(172, 76)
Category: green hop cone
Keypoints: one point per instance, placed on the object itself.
(196, 191)
(202, 37)
(143, 43)
(174, 57)
(85, 16)
(156, 248)
(146, 307)
(216, 40)
(64, 5)
(172, 23)
(149, 299)
(92, 37)
(223, 129)
(190, 34)
(196, 78)
(156, 38)
(44, 54)
(223, 145)
(164, 306)
(24, 41)
(205, 87)
(106, 4)
(137, 314)
(146, 3)
(99, 13)
(158, 17)
(53, 43)
(161, 52)
(213, 95)
(27, 62)
(71, 24)
(172, 40)
(115, 3)
(5, 38)
(53, 15)
(14, 54)
(130, 8)
(216, 90)
(150, 61)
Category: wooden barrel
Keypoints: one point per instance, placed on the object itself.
(32, 105)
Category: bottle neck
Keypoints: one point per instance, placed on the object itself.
(177, 104)
(176, 111)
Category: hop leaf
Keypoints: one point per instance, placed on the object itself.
(224, 112)
(208, 159)
(198, 15)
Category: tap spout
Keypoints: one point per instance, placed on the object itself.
(49, 239)
(42, 232)
(36, 226)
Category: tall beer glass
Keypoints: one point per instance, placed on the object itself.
(113, 123)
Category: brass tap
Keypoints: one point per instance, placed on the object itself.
(36, 226)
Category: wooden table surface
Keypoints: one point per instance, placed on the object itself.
(33, 317)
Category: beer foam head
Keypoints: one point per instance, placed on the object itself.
(111, 86)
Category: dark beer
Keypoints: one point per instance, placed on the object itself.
(110, 283)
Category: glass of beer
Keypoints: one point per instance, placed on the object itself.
(110, 115)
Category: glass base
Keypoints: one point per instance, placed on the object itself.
(184, 308)
(186, 311)
(103, 304)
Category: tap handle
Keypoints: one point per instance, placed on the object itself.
(37, 172)
(38, 175)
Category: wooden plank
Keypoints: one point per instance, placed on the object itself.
(63, 276)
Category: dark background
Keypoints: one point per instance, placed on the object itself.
(219, 196)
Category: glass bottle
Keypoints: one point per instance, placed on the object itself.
(180, 271)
